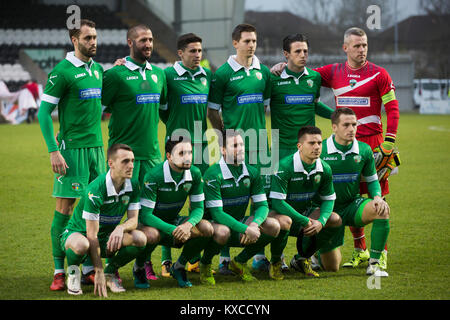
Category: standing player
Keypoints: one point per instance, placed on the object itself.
(188, 87)
(95, 228)
(301, 188)
(241, 88)
(363, 86)
(164, 192)
(75, 86)
(295, 95)
(229, 186)
(350, 160)
(132, 93)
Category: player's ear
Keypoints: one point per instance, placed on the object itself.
(286, 54)
(179, 52)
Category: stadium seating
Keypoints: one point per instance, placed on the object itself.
(22, 28)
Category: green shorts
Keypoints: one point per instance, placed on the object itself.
(102, 240)
(85, 164)
(141, 167)
(200, 156)
(351, 216)
(284, 152)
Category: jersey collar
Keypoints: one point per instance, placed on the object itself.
(285, 75)
(181, 70)
(331, 147)
(226, 173)
(187, 176)
(132, 66)
(70, 56)
(236, 66)
(111, 191)
(298, 165)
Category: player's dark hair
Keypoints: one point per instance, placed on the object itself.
(187, 38)
(132, 32)
(173, 140)
(296, 37)
(226, 134)
(243, 27)
(112, 150)
(308, 130)
(337, 114)
(76, 32)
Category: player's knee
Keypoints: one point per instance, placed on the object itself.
(206, 228)
(80, 247)
(221, 234)
(151, 234)
(271, 227)
(285, 222)
(139, 238)
(334, 221)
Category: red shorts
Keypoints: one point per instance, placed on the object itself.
(374, 141)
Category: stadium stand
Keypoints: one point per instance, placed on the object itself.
(28, 24)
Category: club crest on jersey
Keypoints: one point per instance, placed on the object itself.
(352, 82)
(246, 182)
(258, 75)
(357, 158)
(155, 78)
(187, 187)
(96, 74)
(203, 81)
(317, 178)
(75, 186)
(310, 83)
(125, 200)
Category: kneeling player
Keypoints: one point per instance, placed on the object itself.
(350, 160)
(301, 178)
(229, 185)
(95, 227)
(164, 193)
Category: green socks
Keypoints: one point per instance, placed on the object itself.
(277, 246)
(378, 237)
(58, 225)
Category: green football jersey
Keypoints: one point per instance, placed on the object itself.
(101, 202)
(242, 94)
(187, 100)
(76, 88)
(293, 103)
(164, 194)
(299, 184)
(348, 164)
(230, 188)
(132, 93)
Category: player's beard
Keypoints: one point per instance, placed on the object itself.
(183, 166)
(138, 53)
(87, 52)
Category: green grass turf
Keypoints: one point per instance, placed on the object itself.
(419, 252)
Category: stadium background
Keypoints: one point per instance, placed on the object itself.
(33, 39)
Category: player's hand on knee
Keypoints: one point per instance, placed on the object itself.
(58, 163)
(380, 206)
(253, 232)
(115, 239)
(314, 228)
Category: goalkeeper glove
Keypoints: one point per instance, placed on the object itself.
(384, 152)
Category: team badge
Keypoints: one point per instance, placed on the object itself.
(317, 178)
(125, 200)
(187, 187)
(258, 75)
(203, 81)
(246, 182)
(155, 78)
(75, 186)
(357, 158)
(352, 82)
(96, 74)
(310, 83)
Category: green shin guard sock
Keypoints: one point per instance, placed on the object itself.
(166, 253)
(225, 252)
(378, 237)
(73, 258)
(145, 254)
(250, 250)
(58, 225)
(277, 246)
(192, 249)
(212, 248)
(123, 256)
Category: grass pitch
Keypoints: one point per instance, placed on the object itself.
(419, 246)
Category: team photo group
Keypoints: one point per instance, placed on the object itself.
(254, 197)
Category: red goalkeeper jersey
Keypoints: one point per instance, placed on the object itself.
(364, 90)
